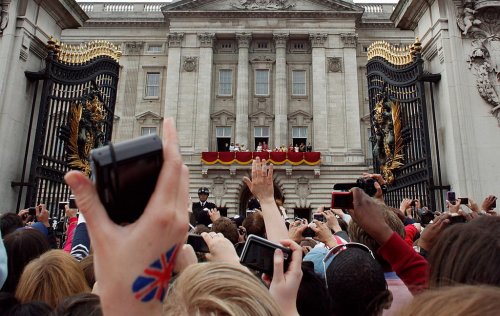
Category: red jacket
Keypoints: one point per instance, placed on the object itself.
(410, 266)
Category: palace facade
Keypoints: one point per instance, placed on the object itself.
(244, 72)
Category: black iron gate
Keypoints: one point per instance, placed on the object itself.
(399, 122)
(76, 114)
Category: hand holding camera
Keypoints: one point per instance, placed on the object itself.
(296, 230)
(42, 215)
(324, 234)
(220, 249)
(158, 231)
(285, 284)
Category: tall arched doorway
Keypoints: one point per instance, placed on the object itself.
(245, 195)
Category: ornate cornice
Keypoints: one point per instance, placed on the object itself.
(349, 39)
(206, 39)
(280, 39)
(244, 39)
(318, 39)
(268, 5)
(175, 39)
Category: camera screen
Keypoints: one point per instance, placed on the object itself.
(319, 217)
(198, 243)
(260, 257)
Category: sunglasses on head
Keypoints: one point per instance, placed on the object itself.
(338, 249)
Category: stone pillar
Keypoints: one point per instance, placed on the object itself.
(173, 74)
(131, 77)
(320, 113)
(280, 96)
(204, 94)
(242, 89)
(352, 117)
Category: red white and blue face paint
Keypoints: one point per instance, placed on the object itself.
(153, 284)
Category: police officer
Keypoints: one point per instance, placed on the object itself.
(201, 209)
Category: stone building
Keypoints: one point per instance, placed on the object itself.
(461, 42)
(245, 72)
(25, 27)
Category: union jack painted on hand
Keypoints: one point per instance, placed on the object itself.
(153, 284)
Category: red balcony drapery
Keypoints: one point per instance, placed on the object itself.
(245, 158)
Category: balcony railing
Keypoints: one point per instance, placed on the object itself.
(121, 7)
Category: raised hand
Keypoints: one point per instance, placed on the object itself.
(133, 264)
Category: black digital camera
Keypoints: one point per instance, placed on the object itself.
(365, 184)
(125, 176)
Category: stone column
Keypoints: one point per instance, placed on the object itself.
(319, 101)
(353, 120)
(131, 77)
(280, 97)
(173, 74)
(242, 89)
(204, 94)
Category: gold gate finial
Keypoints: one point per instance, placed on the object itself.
(394, 54)
(83, 53)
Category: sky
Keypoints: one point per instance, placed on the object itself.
(355, 1)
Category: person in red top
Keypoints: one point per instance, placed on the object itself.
(265, 146)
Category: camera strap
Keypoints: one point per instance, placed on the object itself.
(114, 174)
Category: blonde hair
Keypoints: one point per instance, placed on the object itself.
(51, 278)
(219, 289)
(455, 300)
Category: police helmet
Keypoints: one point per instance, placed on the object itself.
(203, 190)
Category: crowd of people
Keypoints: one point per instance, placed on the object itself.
(368, 260)
(264, 147)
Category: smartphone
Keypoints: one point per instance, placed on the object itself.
(72, 201)
(342, 200)
(451, 197)
(464, 201)
(319, 217)
(457, 219)
(308, 233)
(32, 211)
(62, 206)
(258, 254)
(198, 243)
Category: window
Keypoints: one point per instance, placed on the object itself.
(261, 131)
(225, 82)
(153, 84)
(299, 137)
(148, 130)
(262, 82)
(223, 135)
(299, 132)
(223, 131)
(262, 45)
(226, 45)
(298, 82)
(155, 48)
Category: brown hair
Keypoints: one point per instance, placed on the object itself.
(226, 227)
(467, 253)
(219, 289)
(455, 300)
(51, 278)
(357, 234)
(254, 224)
(87, 266)
(22, 246)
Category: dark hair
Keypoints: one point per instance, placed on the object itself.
(467, 254)
(84, 304)
(356, 284)
(254, 224)
(30, 309)
(313, 298)
(9, 222)
(87, 265)
(227, 227)
(200, 228)
(22, 246)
